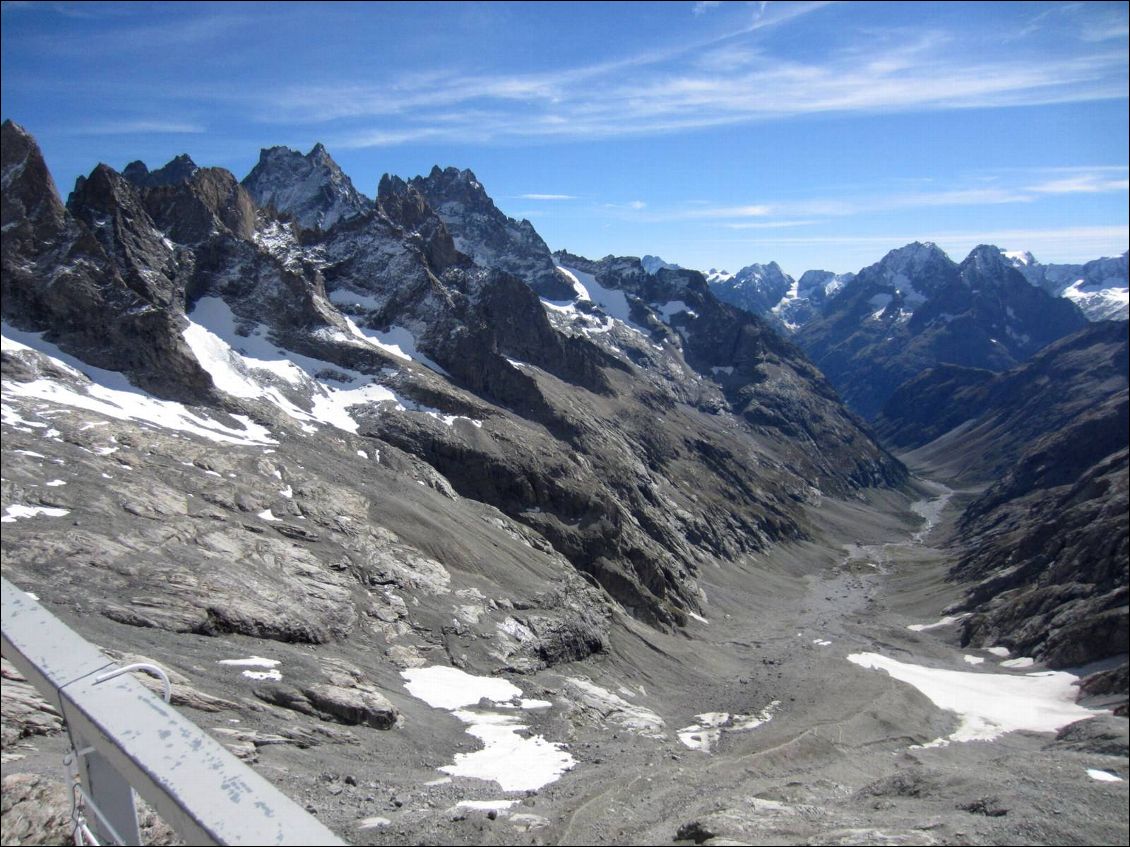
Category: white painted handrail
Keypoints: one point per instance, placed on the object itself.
(131, 740)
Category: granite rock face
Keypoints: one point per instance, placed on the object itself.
(486, 234)
(311, 190)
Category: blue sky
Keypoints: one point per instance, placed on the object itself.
(712, 134)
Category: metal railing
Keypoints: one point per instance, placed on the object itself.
(125, 738)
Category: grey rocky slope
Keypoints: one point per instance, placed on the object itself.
(916, 309)
(1043, 551)
(359, 454)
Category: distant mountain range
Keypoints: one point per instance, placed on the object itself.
(1100, 288)
(916, 308)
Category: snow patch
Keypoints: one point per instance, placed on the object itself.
(514, 761)
(615, 709)
(16, 511)
(251, 662)
(705, 734)
(373, 822)
(109, 393)
(946, 621)
(989, 705)
(1103, 776)
(671, 308)
(237, 364)
(611, 301)
(260, 676)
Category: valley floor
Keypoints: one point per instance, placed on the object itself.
(768, 722)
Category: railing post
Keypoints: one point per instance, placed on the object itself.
(125, 736)
(114, 818)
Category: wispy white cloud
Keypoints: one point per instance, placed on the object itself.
(140, 127)
(787, 213)
(66, 10)
(631, 205)
(769, 224)
(708, 212)
(1082, 183)
(546, 197)
(802, 212)
(721, 81)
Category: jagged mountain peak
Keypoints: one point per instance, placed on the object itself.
(757, 288)
(311, 189)
(486, 234)
(452, 185)
(758, 271)
(177, 170)
(408, 209)
(455, 175)
(29, 192)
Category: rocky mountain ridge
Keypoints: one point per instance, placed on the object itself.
(383, 309)
(483, 232)
(311, 190)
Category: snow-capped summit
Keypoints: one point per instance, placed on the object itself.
(991, 260)
(311, 189)
(1019, 258)
(911, 260)
(652, 264)
(1101, 288)
(757, 288)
